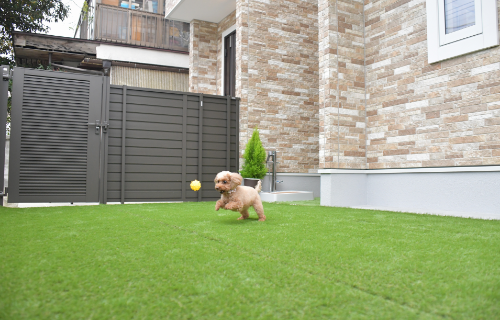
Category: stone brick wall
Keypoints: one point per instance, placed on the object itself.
(346, 84)
(276, 75)
(206, 55)
(242, 80)
(421, 115)
(277, 79)
(342, 84)
(203, 57)
(328, 80)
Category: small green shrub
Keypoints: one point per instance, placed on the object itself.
(255, 158)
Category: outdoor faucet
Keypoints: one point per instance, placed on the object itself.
(272, 155)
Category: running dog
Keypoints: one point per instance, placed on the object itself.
(236, 197)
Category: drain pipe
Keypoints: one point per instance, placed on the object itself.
(272, 155)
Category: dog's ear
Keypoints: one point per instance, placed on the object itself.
(236, 180)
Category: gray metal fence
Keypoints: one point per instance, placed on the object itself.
(75, 138)
(54, 153)
(159, 141)
(6, 75)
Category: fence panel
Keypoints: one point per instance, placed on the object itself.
(54, 154)
(156, 143)
(159, 141)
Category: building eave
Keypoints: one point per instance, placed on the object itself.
(38, 46)
(205, 10)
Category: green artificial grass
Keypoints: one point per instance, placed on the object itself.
(187, 261)
(311, 203)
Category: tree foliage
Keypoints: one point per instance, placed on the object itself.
(255, 157)
(26, 16)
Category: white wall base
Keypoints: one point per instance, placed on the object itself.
(463, 192)
(141, 55)
(294, 181)
(286, 196)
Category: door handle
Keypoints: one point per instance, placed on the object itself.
(97, 125)
(104, 125)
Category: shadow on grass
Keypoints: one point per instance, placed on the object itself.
(235, 221)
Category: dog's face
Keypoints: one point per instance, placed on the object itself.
(225, 181)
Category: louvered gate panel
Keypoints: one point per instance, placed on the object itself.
(55, 151)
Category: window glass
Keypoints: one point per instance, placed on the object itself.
(152, 6)
(179, 35)
(459, 14)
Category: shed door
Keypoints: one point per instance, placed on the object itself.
(54, 153)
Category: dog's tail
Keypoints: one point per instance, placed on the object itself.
(258, 187)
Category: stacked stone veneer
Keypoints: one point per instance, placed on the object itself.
(417, 115)
(346, 84)
(206, 58)
(276, 75)
(342, 84)
(277, 79)
(421, 115)
(203, 57)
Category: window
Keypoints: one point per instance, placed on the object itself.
(230, 64)
(457, 27)
(228, 49)
(153, 6)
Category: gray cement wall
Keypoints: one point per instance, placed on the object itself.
(343, 190)
(474, 192)
(295, 182)
(464, 192)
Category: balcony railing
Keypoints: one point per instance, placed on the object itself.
(141, 28)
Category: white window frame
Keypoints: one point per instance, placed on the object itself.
(484, 34)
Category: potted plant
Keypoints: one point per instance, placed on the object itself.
(254, 167)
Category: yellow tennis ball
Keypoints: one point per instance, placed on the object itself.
(195, 185)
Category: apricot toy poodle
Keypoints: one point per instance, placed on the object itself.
(236, 197)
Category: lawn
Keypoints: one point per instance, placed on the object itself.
(186, 261)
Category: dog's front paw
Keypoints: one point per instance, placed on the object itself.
(218, 205)
(233, 206)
